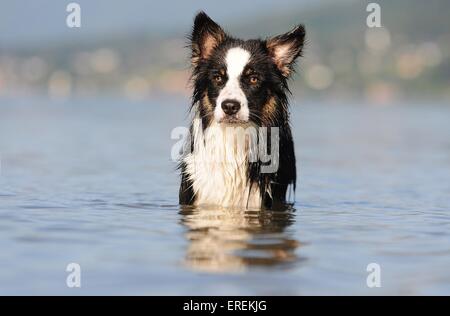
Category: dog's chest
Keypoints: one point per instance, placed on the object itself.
(217, 168)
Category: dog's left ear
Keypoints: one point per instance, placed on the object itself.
(284, 49)
(206, 36)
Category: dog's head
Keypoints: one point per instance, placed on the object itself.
(237, 81)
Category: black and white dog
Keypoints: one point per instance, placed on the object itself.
(239, 85)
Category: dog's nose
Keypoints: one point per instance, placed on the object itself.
(230, 107)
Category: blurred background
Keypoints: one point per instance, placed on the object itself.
(138, 49)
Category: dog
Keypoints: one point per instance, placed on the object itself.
(239, 85)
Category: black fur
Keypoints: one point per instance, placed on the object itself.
(267, 99)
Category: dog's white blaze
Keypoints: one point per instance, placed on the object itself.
(218, 169)
(236, 59)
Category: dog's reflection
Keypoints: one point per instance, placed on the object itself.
(224, 240)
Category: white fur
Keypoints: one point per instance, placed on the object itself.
(217, 167)
(236, 59)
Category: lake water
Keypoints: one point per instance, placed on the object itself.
(92, 182)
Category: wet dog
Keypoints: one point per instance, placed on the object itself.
(240, 93)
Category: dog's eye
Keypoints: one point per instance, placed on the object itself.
(253, 79)
(218, 79)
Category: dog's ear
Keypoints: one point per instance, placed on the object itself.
(206, 36)
(284, 49)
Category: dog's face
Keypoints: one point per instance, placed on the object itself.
(239, 81)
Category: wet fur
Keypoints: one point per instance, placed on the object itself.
(272, 61)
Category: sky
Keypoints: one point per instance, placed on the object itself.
(25, 22)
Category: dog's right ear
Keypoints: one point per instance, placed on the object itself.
(206, 36)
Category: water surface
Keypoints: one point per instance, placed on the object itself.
(92, 182)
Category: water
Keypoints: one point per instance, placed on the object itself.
(92, 182)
